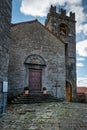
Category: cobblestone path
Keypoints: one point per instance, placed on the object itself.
(45, 116)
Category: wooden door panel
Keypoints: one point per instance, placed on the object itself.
(68, 92)
(35, 77)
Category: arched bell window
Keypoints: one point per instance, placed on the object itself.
(63, 29)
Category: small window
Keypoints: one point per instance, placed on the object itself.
(66, 50)
(63, 29)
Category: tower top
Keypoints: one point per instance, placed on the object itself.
(60, 14)
(53, 9)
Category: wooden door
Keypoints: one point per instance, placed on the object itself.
(35, 80)
(68, 92)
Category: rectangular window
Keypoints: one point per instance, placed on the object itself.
(66, 50)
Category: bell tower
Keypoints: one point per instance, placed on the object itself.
(63, 27)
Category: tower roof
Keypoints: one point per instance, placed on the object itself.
(61, 14)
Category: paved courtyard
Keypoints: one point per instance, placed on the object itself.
(45, 116)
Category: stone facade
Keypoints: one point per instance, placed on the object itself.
(50, 49)
(35, 47)
(64, 27)
(5, 23)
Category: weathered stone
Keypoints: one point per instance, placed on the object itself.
(47, 116)
(33, 46)
(42, 50)
(5, 23)
(54, 22)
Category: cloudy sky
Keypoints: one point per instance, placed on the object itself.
(26, 10)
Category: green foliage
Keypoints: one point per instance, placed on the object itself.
(26, 88)
(44, 88)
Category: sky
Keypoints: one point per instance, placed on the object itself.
(27, 10)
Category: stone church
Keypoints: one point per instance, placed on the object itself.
(41, 55)
(44, 56)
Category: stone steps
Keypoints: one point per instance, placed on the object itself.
(34, 98)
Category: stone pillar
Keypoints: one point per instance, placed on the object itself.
(5, 24)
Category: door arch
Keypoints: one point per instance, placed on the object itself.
(35, 65)
(68, 91)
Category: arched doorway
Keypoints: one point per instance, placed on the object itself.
(68, 91)
(35, 65)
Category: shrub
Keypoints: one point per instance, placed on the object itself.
(44, 88)
(26, 88)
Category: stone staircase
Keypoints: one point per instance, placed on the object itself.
(33, 98)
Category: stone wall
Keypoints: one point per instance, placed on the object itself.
(33, 39)
(5, 22)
